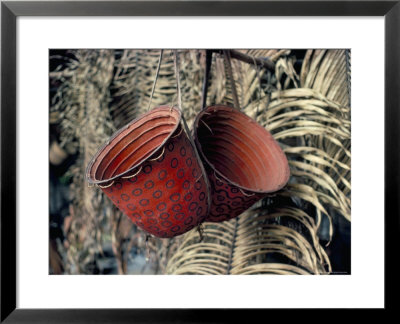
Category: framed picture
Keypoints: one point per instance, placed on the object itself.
(313, 67)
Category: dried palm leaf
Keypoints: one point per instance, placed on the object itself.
(253, 243)
(82, 104)
(328, 72)
(315, 133)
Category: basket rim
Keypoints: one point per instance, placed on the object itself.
(119, 131)
(229, 181)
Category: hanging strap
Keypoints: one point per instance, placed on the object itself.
(227, 55)
(206, 77)
(155, 79)
(178, 84)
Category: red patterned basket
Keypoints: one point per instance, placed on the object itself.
(243, 161)
(150, 171)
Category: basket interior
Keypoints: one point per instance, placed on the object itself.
(241, 150)
(135, 143)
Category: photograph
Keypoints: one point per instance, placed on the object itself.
(175, 161)
(199, 161)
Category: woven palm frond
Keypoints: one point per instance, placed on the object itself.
(133, 81)
(252, 83)
(315, 134)
(328, 73)
(82, 106)
(134, 78)
(254, 243)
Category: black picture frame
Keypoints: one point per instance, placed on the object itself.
(10, 10)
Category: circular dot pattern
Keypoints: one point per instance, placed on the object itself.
(168, 197)
(227, 200)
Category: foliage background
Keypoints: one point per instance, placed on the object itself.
(304, 102)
